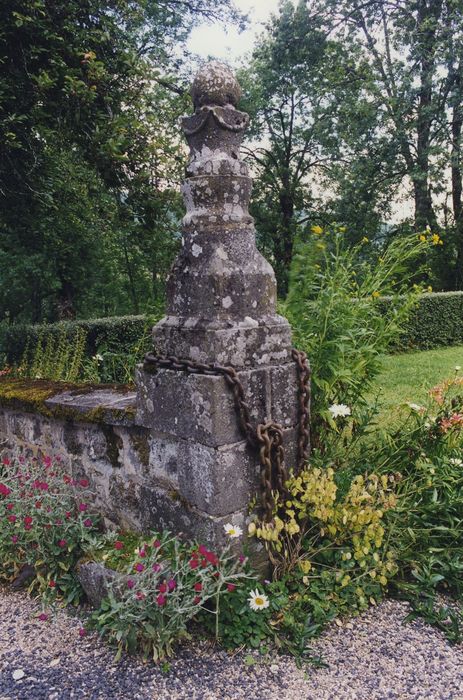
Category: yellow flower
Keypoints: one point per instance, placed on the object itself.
(422, 238)
(435, 239)
(365, 240)
(375, 295)
(317, 230)
(342, 229)
(429, 288)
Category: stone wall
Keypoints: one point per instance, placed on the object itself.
(133, 471)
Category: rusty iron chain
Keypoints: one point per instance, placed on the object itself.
(267, 438)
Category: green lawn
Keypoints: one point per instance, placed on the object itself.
(407, 377)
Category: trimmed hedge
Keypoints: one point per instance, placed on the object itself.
(117, 334)
(436, 320)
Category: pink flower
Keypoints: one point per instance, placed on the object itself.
(198, 586)
(130, 583)
(14, 538)
(231, 587)
(193, 563)
(139, 567)
(4, 490)
(9, 506)
(43, 617)
(156, 544)
(5, 461)
(83, 483)
(142, 553)
(12, 518)
(140, 595)
(196, 599)
(156, 568)
(82, 507)
(62, 543)
(88, 522)
(118, 545)
(161, 600)
(82, 632)
(171, 585)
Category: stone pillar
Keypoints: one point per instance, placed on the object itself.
(221, 308)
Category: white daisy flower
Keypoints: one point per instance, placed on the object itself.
(457, 368)
(233, 531)
(257, 601)
(457, 462)
(339, 410)
(415, 407)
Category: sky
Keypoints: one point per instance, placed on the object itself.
(212, 40)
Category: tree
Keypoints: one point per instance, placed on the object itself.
(88, 159)
(413, 49)
(295, 84)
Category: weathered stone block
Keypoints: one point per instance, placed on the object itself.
(201, 408)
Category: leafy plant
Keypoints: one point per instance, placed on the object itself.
(167, 583)
(334, 308)
(45, 525)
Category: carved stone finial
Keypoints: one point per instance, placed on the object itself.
(215, 84)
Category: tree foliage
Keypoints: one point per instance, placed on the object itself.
(90, 156)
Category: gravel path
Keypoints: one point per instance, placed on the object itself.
(374, 657)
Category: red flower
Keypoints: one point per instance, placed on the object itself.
(231, 587)
(27, 520)
(142, 553)
(193, 563)
(68, 514)
(5, 461)
(198, 586)
(43, 617)
(88, 522)
(118, 545)
(84, 483)
(203, 563)
(52, 584)
(202, 550)
(58, 522)
(212, 559)
(4, 490)
(196, 599)
(12, 518)
(62, 543)
(161, 600)
(10, 506)
(140, 595)
(162, 588)
(156, 544)
(38, 504)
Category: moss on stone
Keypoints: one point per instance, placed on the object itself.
(141, 446)
(30, 395)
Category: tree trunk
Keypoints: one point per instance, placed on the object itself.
(457, 123)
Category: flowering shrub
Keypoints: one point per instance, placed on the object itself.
(166, 584)
(45, 524)
(334, 542)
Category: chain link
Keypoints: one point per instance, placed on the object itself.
(267, 438)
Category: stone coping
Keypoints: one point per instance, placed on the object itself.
(113, 404)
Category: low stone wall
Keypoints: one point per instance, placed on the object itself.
(133, 470)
